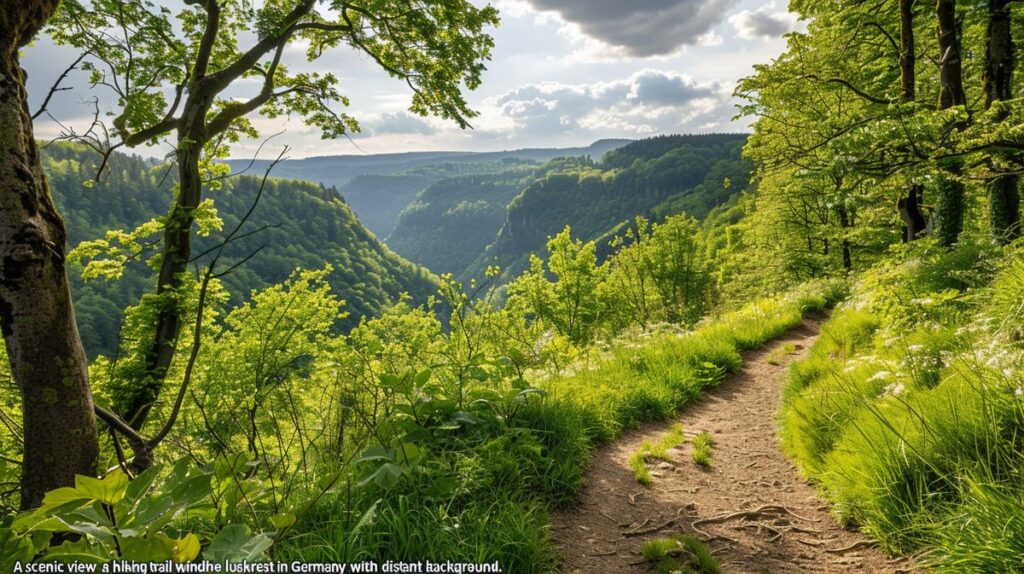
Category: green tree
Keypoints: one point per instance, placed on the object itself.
(138, 52)
(569, 303)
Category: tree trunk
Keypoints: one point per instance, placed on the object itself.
(908, 56)
(36, 313)
(909, 206)
(1004, 197)
(174, 265)
(949, 204)
(845, 223)
(910, 212)
(951, 81)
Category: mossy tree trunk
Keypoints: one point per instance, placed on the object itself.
(36, 313)
(1004, 197)
(909, 206)
(949, 201)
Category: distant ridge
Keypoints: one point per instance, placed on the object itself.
(337, 170)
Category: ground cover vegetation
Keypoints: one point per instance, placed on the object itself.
(450, 427)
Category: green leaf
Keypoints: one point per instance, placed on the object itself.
(150, 509)
(236, 543)
(390, 382)
(409, 454)
(14, 548)
(64, 497)
(283, 520)
(142, 483)
(145, 549)
(422, 377)
(110, 489)
(525, 394)
(386, 477)
(82, 550)
(376, 453)
(101, 533)
(181, 549)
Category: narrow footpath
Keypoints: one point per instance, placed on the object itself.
(755, 511)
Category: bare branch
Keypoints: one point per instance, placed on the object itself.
(56, 85)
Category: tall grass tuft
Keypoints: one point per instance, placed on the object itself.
(909, 410)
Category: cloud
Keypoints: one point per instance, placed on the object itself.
(641, 28)
(398, 123)
(647, 102)
(766, 23)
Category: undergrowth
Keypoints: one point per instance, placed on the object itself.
(702, 445)
(484, 494)
(909, 410)
(658, 451)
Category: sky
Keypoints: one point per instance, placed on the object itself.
(563, 73)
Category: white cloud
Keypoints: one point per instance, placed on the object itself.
(710, 39)
(765, 23)
(397, 123)
(649, 101)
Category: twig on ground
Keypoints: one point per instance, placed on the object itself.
(855, 546)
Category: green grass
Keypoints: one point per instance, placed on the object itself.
(908, 410)
(780, 353)
(484, 494)
(658, 450)
(702, 445)
(680, 553)
(639, 466)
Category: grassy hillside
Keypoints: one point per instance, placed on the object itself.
(303, 225)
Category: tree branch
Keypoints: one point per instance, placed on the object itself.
(220, 79)
(847, 85)
(56, 85)
(235, 110)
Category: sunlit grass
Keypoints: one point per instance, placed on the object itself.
(680, 553)
(702, 445)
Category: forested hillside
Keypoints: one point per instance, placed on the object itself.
(450, 223)
(646, 177)
(380, 186)
(300, 225)
(378, 200)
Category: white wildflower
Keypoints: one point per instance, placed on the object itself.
(880, 376)
(894, 389)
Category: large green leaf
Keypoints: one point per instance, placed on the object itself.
(14, 548)
(236, 543)
(83, 550)
(110, 489)
(139, 549)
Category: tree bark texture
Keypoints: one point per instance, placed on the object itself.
(36, 313)
(1004, 194)
(949, 201)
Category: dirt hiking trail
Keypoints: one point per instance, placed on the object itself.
(752, 507)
